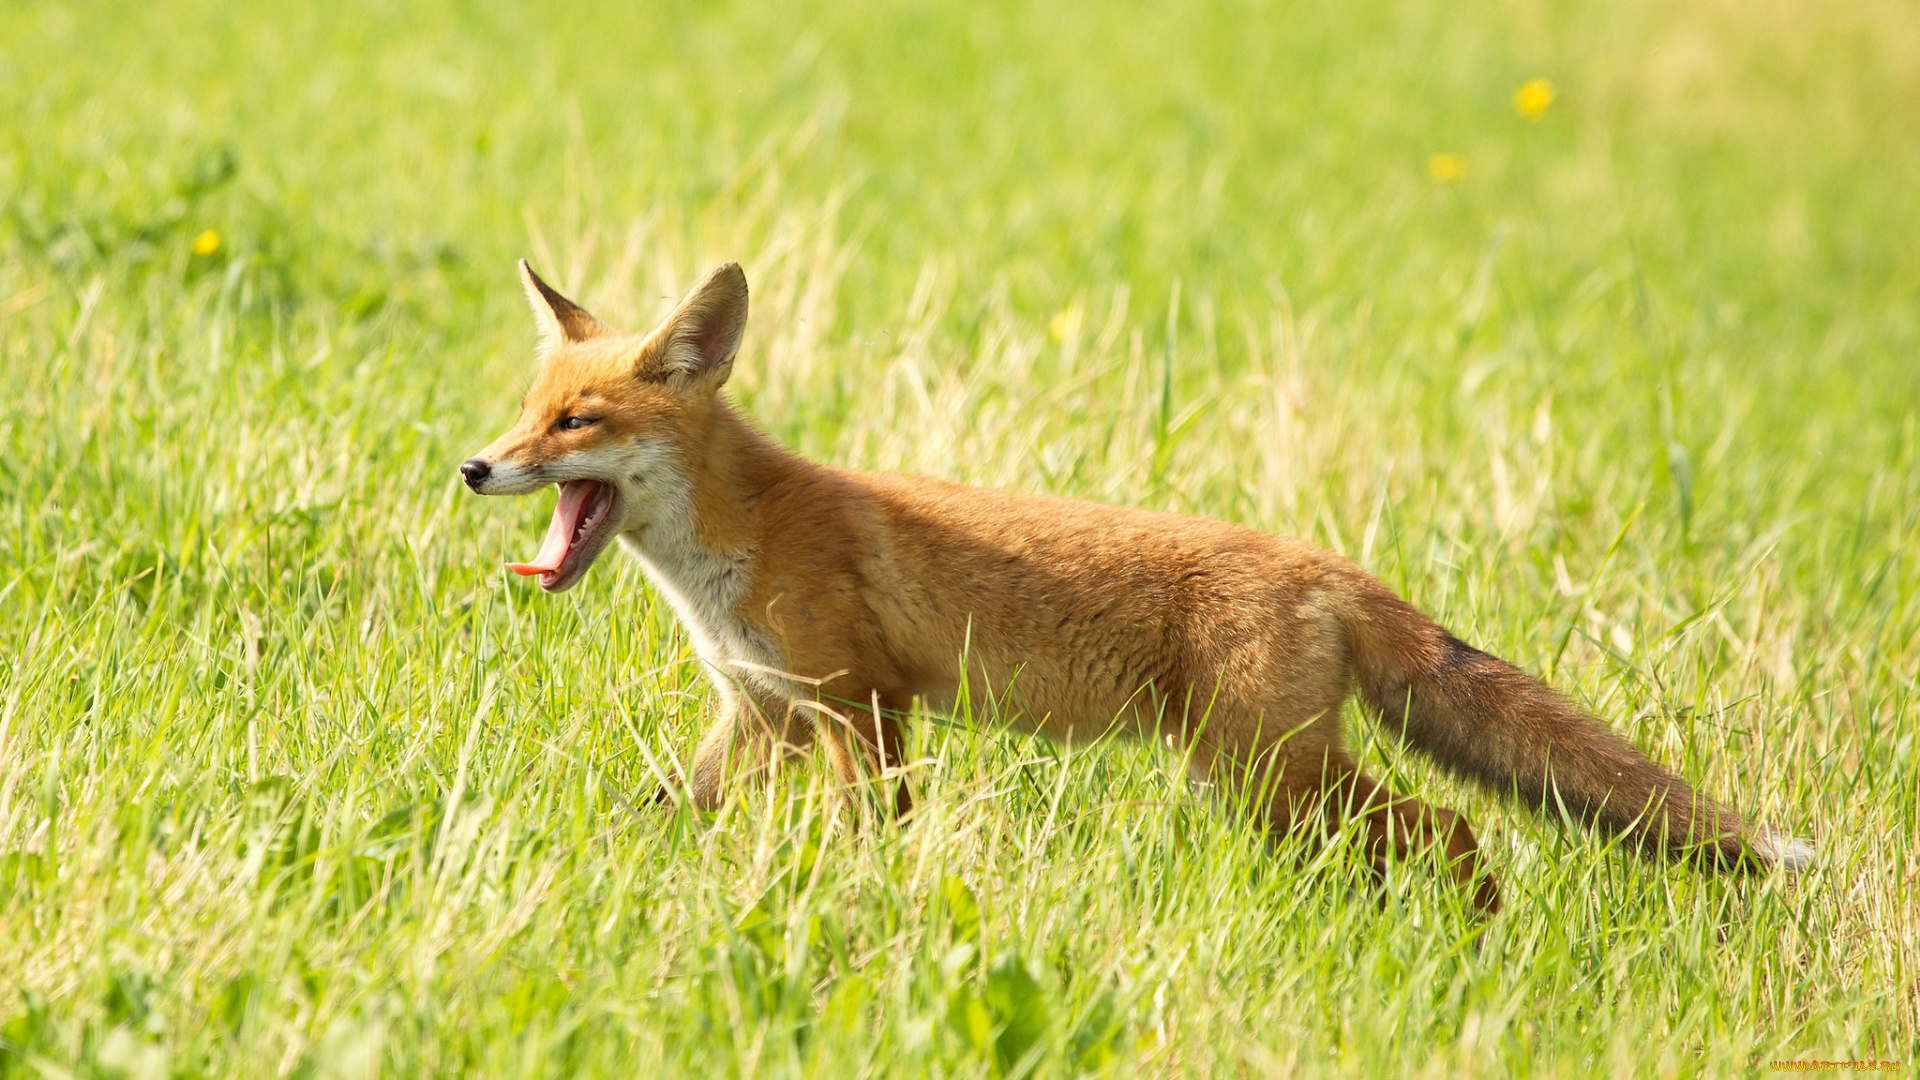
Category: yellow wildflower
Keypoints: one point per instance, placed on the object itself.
(1533, 97)
(206, 243)
(1064, 325)
(1446, 168)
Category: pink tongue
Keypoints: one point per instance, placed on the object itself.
(574, 497)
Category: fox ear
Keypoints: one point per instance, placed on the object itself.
(698, 340)
(562, 322)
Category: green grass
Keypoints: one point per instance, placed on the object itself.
(295, 779)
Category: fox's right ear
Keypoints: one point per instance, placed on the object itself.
(562, 322)
(697, 343)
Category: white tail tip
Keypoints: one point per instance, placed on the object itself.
(1787, 852)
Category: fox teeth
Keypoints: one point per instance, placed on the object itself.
(595, 513)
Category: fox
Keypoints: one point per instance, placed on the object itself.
(825, 603)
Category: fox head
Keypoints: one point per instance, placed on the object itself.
(611, 418)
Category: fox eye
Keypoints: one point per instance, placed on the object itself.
(575, 423)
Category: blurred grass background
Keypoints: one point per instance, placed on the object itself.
(294, 780)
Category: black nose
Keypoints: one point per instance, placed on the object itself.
(475, 471)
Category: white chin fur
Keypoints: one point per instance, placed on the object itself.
(1787, 852)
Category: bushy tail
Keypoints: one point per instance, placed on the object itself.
(1487, 720)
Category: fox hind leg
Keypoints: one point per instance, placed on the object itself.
(1307, 782)
(1400, 827)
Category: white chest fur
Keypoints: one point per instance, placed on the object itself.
(706, 589)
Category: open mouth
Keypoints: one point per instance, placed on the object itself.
(577, 533)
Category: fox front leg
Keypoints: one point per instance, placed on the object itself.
(747, 739)
(866, 748)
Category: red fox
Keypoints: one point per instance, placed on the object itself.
(824, 601)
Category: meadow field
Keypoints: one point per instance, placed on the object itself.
(1618, 374)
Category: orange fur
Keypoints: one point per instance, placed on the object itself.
(825, 601)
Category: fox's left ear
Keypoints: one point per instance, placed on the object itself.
(697, 342)
(562, 322)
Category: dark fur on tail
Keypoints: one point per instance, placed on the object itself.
(1484, 719)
